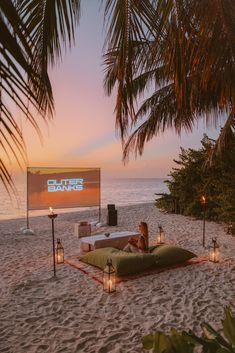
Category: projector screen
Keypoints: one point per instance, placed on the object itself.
(62, 187)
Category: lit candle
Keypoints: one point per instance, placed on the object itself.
(110, 284)
(213, 256)
(160, 235)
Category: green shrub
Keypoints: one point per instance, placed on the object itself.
(186, 342)
(192, 178)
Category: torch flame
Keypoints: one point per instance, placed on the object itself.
(203, 198)
(51, 210)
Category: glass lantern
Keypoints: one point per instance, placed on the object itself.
(214, 253)
(59, 252)
(109, 277)
(230, 228)
(160, 235)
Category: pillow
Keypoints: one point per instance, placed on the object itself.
(131, 263)
(171, 255)
(98, 257)
(124, 263)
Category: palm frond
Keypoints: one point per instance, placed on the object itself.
(191, 47)
(6, 179)
(32, 35)
(226, 135)
(128, 23)
(52, 25)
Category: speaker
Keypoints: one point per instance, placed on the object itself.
(112, 218)
(111, 207)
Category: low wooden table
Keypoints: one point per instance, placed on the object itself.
(115, 240)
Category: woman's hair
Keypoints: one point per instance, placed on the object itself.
(145, 232)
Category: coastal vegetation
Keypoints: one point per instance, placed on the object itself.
(211, 341)
(194, 176)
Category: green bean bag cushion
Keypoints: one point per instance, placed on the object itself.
(124, 263)
(171, 255)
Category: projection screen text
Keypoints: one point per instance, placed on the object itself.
(63, 187)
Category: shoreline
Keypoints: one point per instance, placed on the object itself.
(123, 191)
(70, 210)
(73, 314)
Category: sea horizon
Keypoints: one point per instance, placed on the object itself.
(118, 191)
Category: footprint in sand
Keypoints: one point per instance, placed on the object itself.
(32, 319)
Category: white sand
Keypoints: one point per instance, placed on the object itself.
(73, 314)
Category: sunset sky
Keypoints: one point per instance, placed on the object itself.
(82, 133)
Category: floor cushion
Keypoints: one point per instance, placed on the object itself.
(171, 255)
(125, 263)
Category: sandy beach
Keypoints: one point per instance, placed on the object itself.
(73, 314)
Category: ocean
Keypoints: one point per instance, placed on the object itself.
(113, 191)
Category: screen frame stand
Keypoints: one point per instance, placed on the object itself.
(27, 230)
(100, 196)
(99, 213)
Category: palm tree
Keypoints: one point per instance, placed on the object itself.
(32, 35)
(181, 51)
(177, 55)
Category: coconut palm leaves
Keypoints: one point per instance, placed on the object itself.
(172, 62)
(183, 67)
(52, 25)
(32, 35)
(128, 23)
(15, 55)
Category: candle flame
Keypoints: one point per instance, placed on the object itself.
(51, 210)
(203, 198)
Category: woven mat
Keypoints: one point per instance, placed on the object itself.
(97, 274)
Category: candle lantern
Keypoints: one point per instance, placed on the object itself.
(59, 250)
(160, 235)
(109, 277)
(214, 253)
(230, 228)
